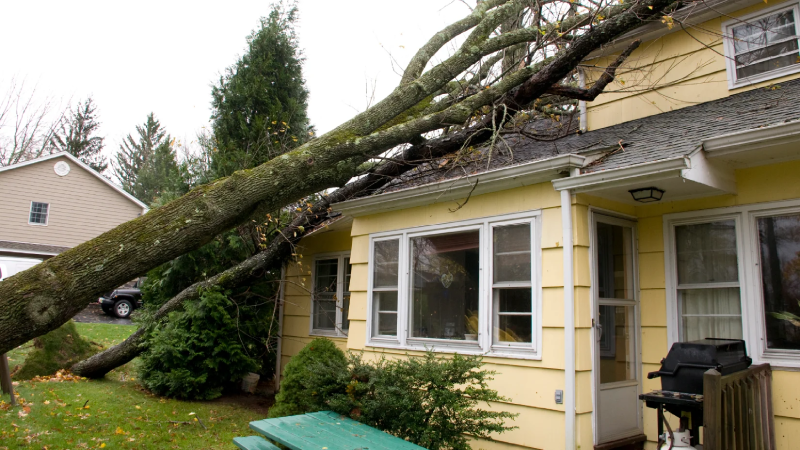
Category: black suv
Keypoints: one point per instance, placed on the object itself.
(122, 301)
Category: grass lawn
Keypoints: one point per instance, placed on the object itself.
(116, 413)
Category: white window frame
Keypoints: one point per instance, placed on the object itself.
(485, 344)
(748, 258)
(730, 52)
(338, 331)
(46, 216)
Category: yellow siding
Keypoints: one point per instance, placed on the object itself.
(756, 185)
(679, 69)
(297, 300)
(529, 384)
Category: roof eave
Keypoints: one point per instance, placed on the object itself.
(449, 190)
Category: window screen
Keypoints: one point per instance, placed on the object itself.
(765, 44)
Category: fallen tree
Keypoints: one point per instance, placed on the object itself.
(42, 298)
(281, 247)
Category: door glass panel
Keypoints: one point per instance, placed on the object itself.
(617, 344)
(615, 261)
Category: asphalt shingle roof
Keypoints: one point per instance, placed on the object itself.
(663, 136)
(26, 247)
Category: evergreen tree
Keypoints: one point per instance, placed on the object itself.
(259, 106)
(160, 175)
(134, 153)
(75, 135)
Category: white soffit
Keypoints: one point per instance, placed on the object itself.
(757, 147)
(460, 188)
(680, 178)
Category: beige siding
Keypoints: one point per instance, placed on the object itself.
(677, 70)
(81, 205)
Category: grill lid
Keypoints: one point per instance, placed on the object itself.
(683, 368)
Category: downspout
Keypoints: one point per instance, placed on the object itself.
(569, 316)
(582, 104)
(279, 349)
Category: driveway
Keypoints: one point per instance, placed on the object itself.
(93, 314)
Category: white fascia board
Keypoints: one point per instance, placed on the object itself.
(752, 140)
(693, 14)
(83, 166)
(492, 181)
(653, 171)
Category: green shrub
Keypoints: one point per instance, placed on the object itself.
(310, 378)
(56, 350)
(198, 352)
(432, 402)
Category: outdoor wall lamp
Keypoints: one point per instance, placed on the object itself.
(647, 195)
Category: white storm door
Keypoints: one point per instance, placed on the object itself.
(617, 370)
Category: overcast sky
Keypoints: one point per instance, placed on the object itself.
(162, 56)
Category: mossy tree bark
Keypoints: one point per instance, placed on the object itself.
(44, 297)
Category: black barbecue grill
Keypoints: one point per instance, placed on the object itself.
(682, 378)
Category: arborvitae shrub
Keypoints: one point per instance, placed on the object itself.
(310, 379)
(197, 353)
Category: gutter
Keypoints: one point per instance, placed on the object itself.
(754, 139)
(668, 168)
(569, 316)
(495, 180)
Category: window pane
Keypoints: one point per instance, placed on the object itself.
(348, 270)
(514, 300)
(516, 328)
(617, 360)
(512, 253)
(324, 314)
(445, 274)
(385, 307)
(779, 243)
(326, 275)
(614, 261)
(346, 312)
(707, 252)
(386, 257)
(387, 324)
(710, 313)
(765, 38)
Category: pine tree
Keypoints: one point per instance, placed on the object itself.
(134, 153)
(160, 175)
(75, 136)
(259, 106)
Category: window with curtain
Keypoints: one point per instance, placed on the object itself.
(708, 288)
(779, 251)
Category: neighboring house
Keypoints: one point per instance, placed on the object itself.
(51, 204)
(576, 263)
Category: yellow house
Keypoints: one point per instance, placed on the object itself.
(674, 216)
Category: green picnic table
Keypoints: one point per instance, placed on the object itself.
(324, 430)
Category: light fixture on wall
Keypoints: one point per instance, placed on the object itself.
(647, 195)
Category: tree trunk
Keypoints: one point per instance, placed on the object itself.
(44, 297)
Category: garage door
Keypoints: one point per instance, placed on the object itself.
(10, 265)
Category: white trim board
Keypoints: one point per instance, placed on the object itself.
(82, 165)
(448, 190)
